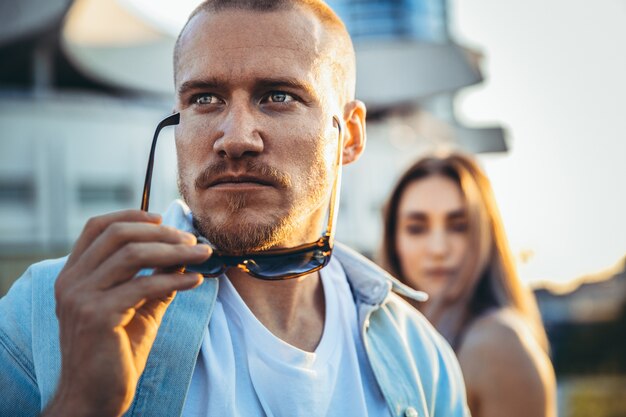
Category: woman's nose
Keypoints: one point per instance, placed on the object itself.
(437, 243)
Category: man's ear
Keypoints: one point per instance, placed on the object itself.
(354, 136)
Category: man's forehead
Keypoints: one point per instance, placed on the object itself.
(236, 46)
(294, 33)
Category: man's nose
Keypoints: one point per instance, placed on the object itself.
(240, 134)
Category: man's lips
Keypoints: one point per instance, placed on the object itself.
(254, 174)
(239, 181)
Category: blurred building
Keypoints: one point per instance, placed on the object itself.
(587, 325)
(586, 328)
(83, 84)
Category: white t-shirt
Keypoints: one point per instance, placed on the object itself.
(244, 370)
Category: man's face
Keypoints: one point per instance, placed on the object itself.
(256, 142)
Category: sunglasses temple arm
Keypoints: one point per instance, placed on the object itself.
(171, 120)
(334, 196)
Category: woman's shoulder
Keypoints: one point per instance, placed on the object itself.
(496, 329)
(503, 362)
(503, 336)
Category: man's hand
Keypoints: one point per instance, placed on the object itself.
(108, 319)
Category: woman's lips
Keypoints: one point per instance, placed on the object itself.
(439, 272)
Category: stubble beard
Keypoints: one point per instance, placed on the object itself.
(232, 232)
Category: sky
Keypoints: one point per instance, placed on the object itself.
(555, 79)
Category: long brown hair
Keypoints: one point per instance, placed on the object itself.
(489, 277)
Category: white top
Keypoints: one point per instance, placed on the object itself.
(273, 378)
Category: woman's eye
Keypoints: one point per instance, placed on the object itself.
(205, 99)
(459, 227)
(279, 97)
(415, 229)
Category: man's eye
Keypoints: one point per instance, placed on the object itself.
(205, 99)
(279, 97)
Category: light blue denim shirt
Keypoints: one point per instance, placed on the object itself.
(415, 368)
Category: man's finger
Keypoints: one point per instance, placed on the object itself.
(130, 259)
(145, 290)
(96, 225)
(119, 234)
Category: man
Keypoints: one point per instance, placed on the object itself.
(265, 95)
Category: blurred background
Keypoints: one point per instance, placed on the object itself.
(535, 89)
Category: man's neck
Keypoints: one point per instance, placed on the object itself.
(293, 310)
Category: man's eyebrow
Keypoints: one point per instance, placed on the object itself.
(260, 84)
(200, 84)
(285, 82)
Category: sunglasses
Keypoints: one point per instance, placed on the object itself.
(273, 264)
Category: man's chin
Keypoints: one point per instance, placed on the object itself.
(237, 235)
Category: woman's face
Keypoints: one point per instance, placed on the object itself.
(431, 236)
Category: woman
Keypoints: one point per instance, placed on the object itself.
(443, 235)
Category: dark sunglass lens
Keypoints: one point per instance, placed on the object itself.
(287, 265)
(211, 267)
